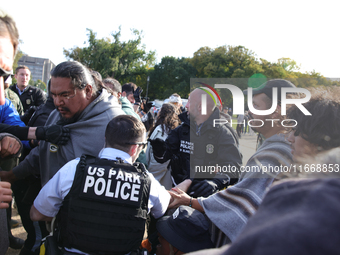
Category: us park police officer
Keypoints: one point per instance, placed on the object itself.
(197, 145)
(101, 203)
(30, 96)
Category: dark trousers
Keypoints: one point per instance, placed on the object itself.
(239, 129)
(35, 230)
(245, 128)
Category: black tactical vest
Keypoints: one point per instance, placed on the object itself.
(106, 208)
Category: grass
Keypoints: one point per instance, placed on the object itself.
(234, 120)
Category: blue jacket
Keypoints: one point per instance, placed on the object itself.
(10, 116)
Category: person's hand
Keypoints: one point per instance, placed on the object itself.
(137, 95)
(28, 114)
(204, 188)
(178, 197)
(8, 176)
(147, 107)
(5, 194)
(9, 146)
(34, 143)
(150, 121)
(55, 134)
(184, 185)
(158, 147)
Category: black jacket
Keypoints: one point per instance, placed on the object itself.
(193, 151)
(40, 116)
(31, 96)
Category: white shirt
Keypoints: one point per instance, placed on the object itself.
(51, 196)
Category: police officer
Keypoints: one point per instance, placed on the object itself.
(197, 146)
(30, 96)
(101, 203)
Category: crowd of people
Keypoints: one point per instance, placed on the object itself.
(94, 170)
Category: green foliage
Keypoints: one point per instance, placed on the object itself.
(288, 64)
(16, 59)
(226, 62)
(40, 84)
(129, 62)
(125, 61)
(15, 64)
(170, 76)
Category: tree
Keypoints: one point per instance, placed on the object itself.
(16, 59)
(40, 84)
(125, 61)
(15, 64)
(288, 64)
(242, 69)
(170, 76)
(225, 62)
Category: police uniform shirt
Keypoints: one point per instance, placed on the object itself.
(51, 196)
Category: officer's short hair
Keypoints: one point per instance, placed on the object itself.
(21, 67)
(79, 74)
(123, 131)
(129, 88)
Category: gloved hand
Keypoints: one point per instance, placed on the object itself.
(151, 121)
(158, 147)
(147, 107)
(136, 95)
(55, 134)
(204, 188)
(28, 114)
(34, 143)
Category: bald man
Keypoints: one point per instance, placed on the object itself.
(199, 150)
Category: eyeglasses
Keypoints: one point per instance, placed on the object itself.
(66, 95)
(138, 143)
(5, 74)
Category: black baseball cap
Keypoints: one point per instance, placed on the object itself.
(267, 88)
(186, 229)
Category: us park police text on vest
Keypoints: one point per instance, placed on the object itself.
(238, 104)
(119, 184)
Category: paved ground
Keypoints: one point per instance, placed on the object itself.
(247, 147)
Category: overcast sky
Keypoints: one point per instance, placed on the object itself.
(305, 31)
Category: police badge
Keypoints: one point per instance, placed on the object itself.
(28, 101)
(210, 148)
